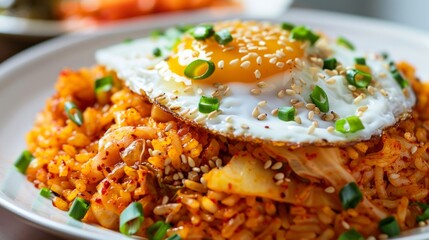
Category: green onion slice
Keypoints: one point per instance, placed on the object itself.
(79, 208)
(131, 219)
(350, 195)
(104, 84)
(157, 52)
(223, 37)
(174, 237)
(73, 113)
(320, 99)
(287, 26)
(351, 234)
(46, 193)
(424, 216)
(208, 104)
(389, 226)
(349, 124)
(345, 43)
(203, 31)
(302, 33)
(156, 33)
(185, 27)
(199, 69)
(400, 79)
(358, 78)
(286, 113)
(360, 60)
(158, 230)
(23, 161)
(330, 63)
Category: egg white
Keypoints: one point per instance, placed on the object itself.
(134, 63)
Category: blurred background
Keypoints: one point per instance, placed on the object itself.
(24, 23)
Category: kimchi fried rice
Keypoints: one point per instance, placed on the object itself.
(128, 150)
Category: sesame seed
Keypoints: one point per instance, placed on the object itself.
(201, 119)
(244, 126)
(212, 164)
(311, 129)
(257, 74)
(261, 84)
(383, 236)
(290, 92)
(351, 88)
(268, 55)
(279, 176)
(382, 75)
(289, 49)
(262, 43)
(281, 93)
(221, 64)
(253, 54)
(321, 75)
(246, 57)
(358, 99)
(200, 91)
(214, 114)
(191, 162)
(245, 64)
(262, 48)
(243, 51)
(331, 81)
(228, 49)
(310, 106)
(383, 92)
(164, 200)
(273, 60)
(167, 169)
(363, 108)
(299, 104)
(280, 64)
(275, 112)
(181, 176)
(280, 182)
(175, 176)
(219, 163)
(267, 164)
(413, 149)
(234, 61)
(345, 225)
(255, 112)
(184, 159)
(187, 89)
(330, 129)
(168, 127)
(228, 119)
(262, 103)
(255, 91)
(196, 169)
(371, 238)
(330, 189)
(310, 115)
(297, 119)
(167, 161)
(277, 166)
(262, 116)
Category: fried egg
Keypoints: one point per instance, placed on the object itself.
(265, 82)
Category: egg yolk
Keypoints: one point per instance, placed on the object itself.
(257, 51)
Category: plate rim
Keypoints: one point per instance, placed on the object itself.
(69, 40)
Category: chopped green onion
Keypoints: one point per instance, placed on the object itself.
(46, 193)
(158, 230)
(185, 27)
(286, 113)
(157, 52)
(400, 79)
(203, 31)
(223, 37)
(287, 26)
(330, 63)
(23, 161)
(131, 219)
(345, 43)
(156, 33)
(350, 195)
(195, 67)
(73, 113)
(358, 78)
(389, 226)
(351, 234)
(320, 99)
(174, 237)
(104, 84)
(79, 208)
(424, 216)
(208, 104)
(302, 33)
(360, 60)
(349, 124)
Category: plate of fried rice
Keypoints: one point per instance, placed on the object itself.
(142, 131)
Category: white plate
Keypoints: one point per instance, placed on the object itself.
(27, 80)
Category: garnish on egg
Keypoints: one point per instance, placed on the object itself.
(349, 124)
(320, 99)
(358, 78)
(199, 69)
